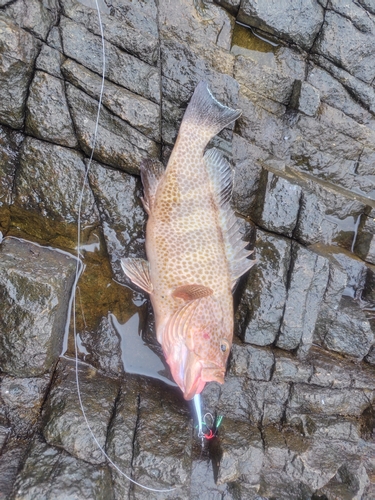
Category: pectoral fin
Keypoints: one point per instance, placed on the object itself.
(138, 270)
(191, 292)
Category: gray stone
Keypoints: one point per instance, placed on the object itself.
(350, 481)
(252, 362)
(23, 398)
(350, 48)
(307, 284)
(127, 25)
(49, 60)
(122, 215)
(11, 459)
(121, 68)
(290, 369)
(365, 242)
(47, 112)
(139, 112)
(242, 453)
(269, 74)
(117, 143)
(305, 98)
(54, 39)
(350, 332)
(296, 23)
(18, 51)
(46, 174)
(231, 6)
(34, 16)
(277, 204)
(262, 305)
(49, 473)
(36, 284)
(64, 425)
(9, 157)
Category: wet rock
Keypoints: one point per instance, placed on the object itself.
(139, 112)
(35, 290)
(307, 399)
(309, 274)
(162, 442)
(350, 481)
(252, 362)
(49, 60)
(103, 347)
(247, 173)
(9, 148)
(242, 453)
(231, 6)
(122, 216)
(19, 50)
(269, 74)
(23, 398)
(121, 68)
(349, 47)
(277, 205)
(365, 242)
(35, 17)
(11, 458)
(129, 26)
(299, 24)
(349, 332)
(50, 473)
(65, 426)
(117, 143)
(47, 113)
(290, 369)
(262, 305)
(46, 174)
(305, 98)
(334, 91)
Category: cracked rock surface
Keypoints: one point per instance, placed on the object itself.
(298, 398)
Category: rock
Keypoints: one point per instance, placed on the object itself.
(255, 363)
(23, 398)
(350, 332)
(350, 481)
(295, 23)
(11, 459)
(242, 453)
(33, 16)
(309, 274)
(64, 425)
(121, 213)
(121, 68)
(51, 473)
(9, 151)
(49, 60)
(117, 143)
(35, 285)
(365, 243)
(305, 98)
(47, 113)
(231, 6)
(45, 176)
(347, 46)
(262, 305)
(139, 112)
(277, 205)
(18, 51)
(270, 74)
(126, 25)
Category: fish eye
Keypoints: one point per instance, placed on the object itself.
(224, 345)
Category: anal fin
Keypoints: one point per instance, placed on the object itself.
(138, 270)
(191, 292)
(151, 172)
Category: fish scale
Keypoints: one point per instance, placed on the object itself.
(195, 252)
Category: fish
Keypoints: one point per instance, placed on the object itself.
(195, 252)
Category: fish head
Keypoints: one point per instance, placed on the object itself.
(197, 345)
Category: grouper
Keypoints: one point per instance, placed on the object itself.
(194, 248)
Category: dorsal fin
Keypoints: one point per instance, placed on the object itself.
(221, 177)
(192, 292)
(151, 172)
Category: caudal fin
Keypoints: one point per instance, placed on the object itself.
(204, 111)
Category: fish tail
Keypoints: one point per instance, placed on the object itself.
(205, 112)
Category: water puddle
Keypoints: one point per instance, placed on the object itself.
(137, 356)
(246, 38)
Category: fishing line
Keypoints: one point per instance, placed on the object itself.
(79, 267)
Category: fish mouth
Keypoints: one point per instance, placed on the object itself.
(198, 373)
